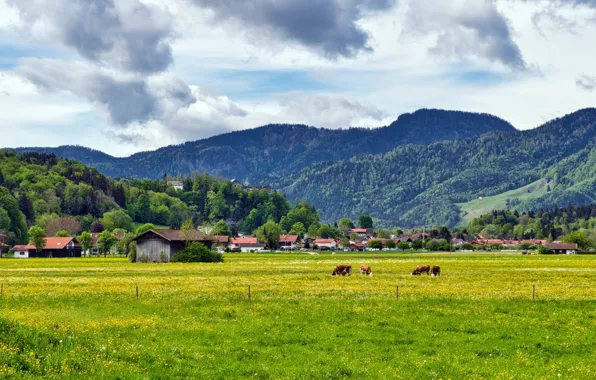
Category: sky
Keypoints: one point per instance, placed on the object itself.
(123, 76)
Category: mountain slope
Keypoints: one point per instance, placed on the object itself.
(415, 185)
(273, 151)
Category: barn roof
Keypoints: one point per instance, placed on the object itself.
(288, 238)
(179, 235)
(563, 246)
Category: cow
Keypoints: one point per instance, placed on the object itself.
(342, 270)
(435, 271)
(365, 270)
(421, 269)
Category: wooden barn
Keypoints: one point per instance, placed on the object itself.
(161, 245)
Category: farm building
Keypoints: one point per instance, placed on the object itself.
(161, 245)
(54, 247)
(325, 244)
(289, 242)
(569, 249)
(247, 244)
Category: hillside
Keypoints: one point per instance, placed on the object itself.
(56, 194)
(418, 185)
(273, 151)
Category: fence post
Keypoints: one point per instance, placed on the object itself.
(137, 292)
(397, 292)
(1, 290)
(248, 291)
(533, 292)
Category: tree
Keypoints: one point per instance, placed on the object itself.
(97, 227)
(187, 231)
(544, 250)
(365, 221)
(390, 244)
(297, 229)
(580, 238)
(328, 232)
(143, 209)
(437, 245)
(37, 237)
(269, 234)
(197, 253)
(117, 219)
(62, 234)
(384, 234)
(26, 207)
(404, 246)
(70, 224)
(132, 252)
(345, 224)
(417, 244)
(106, 241)
(375, 244)
(86, 241)
(221, 229)
(144, 228)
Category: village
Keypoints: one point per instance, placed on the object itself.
(159, 245)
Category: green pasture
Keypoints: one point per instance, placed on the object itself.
(81, 318)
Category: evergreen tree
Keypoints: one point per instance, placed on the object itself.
(26, 207)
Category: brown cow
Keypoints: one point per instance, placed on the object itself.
(342, 270)
(435, 271)
(365, 270)
(421, 269)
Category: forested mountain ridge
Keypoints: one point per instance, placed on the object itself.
(275, 150)
(416, 185)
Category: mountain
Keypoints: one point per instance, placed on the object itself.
(273, 151)
(417, 185)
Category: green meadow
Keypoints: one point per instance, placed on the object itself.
(81, 318)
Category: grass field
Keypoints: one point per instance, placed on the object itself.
(79, 318)
(478, 207)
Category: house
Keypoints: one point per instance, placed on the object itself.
(566, 248)
(221, 243)
(458, 242)
(409, 238)
(54, 247)
(325, 244)
(362, 232)
(356, 247)
(534, 242)
(161, 245)
(246, 244)
(510, 243)
(20, 251)
(177, 185)
(246, 189)
(289, 242)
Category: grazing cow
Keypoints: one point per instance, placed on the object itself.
(421, 269)
(435, 271)
(365, 270)
(342, 270)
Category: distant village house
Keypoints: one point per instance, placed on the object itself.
(54, 247)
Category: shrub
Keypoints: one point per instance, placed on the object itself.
(197, 253)
(390, 244)
(375, 244)
(143, 259)
(132, 252)
(545, 251)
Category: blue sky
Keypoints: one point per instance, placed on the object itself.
(130, 75)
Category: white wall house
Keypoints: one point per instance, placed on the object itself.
(246, 245)
(326, 244)
(21, 252)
